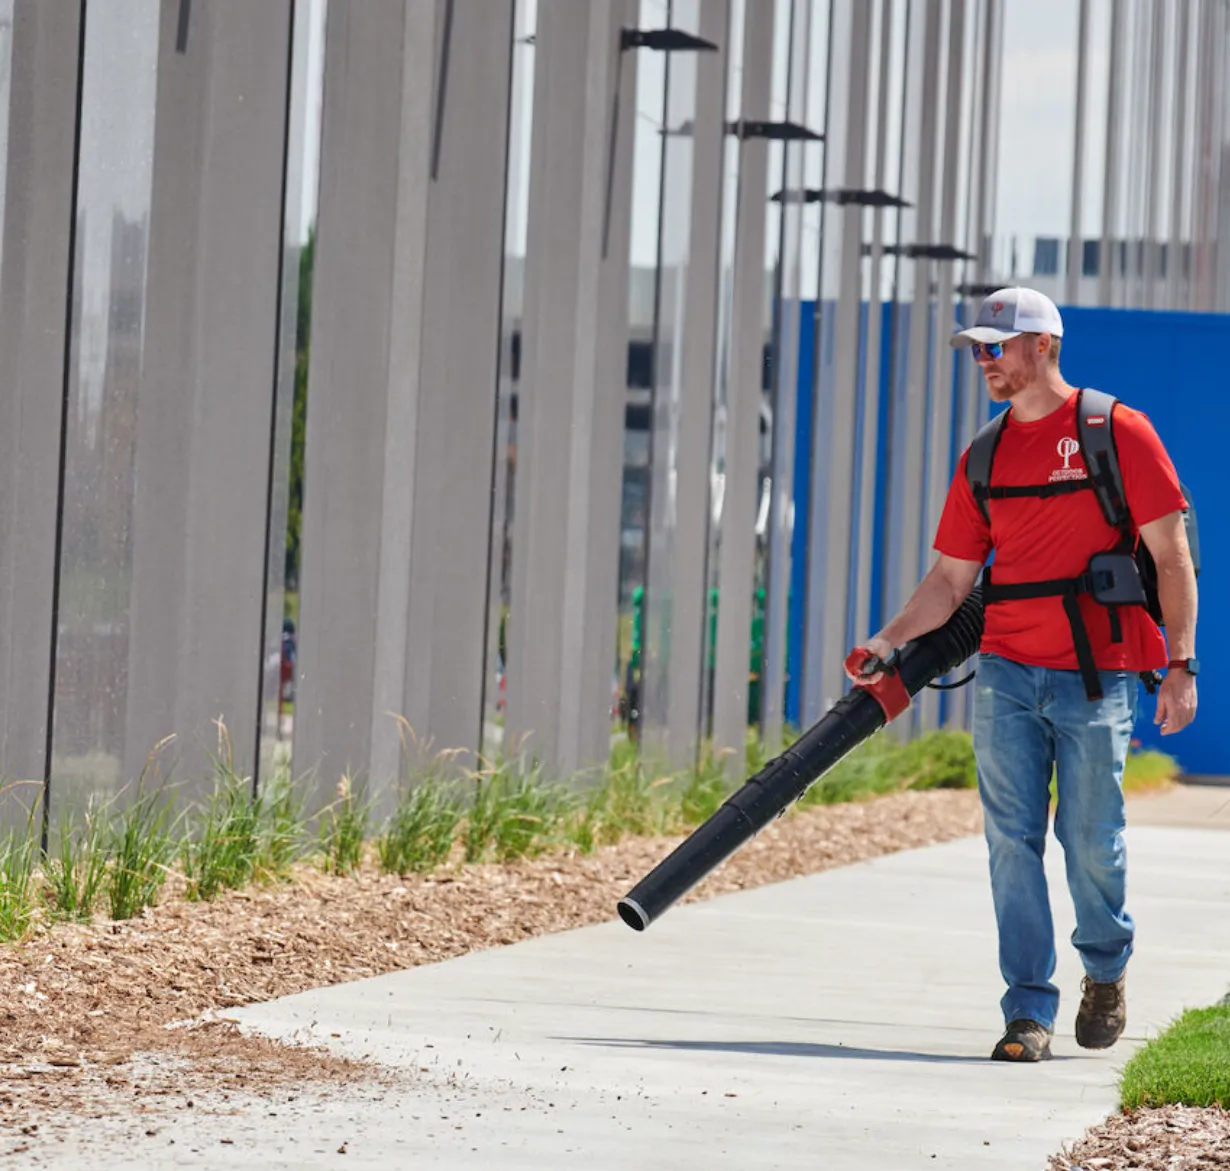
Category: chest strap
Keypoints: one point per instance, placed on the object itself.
(1069, 589)
(1041, 491)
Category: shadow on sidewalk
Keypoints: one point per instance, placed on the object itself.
(787, 1049)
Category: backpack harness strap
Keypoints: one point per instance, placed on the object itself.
(1111, 578)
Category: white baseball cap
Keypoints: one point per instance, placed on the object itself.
(1008, 313)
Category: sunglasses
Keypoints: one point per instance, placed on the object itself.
(993, 350)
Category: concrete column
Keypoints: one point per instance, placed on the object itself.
(1179, 177)
(742, 375)
(940, 415)
(1108, 250)
(208, 372)
(570, 421)
(677, 605)
(402, 383)
(914, 325)
(832, 538)
(35, 277)
(1075, 258)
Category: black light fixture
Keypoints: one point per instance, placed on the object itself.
(776, 131)
(923, 251)
(664, 40)
(840, 196)
(974, 289)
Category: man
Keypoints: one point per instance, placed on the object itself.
(1032, 705)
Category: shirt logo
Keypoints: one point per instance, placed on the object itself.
(1067, 448)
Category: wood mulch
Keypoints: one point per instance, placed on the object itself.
(1172, 1138)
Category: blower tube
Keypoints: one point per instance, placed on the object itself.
(850, 721)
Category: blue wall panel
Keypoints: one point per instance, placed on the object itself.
(1171, 366)
(802, 501)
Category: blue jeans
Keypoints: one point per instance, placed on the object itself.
(1027, 719)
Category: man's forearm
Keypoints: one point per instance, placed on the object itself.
(930, 606)
(1176, 590)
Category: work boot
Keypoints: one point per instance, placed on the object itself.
(1103, 1014)
(1024, 1040)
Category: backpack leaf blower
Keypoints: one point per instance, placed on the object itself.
(850, 721)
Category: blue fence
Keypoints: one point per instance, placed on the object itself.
(1165, 364)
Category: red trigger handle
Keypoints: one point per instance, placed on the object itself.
(888, 691)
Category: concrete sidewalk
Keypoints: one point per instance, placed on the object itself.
(837, 1021)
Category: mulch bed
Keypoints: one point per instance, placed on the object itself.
(102, 1018)
(83, 1008)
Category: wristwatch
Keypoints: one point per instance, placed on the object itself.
(1191, 666)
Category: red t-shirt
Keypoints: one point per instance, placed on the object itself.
(1037, 539)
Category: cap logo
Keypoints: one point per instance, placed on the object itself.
(997, 308)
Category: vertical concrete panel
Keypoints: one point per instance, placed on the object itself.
(1107, 258)
(402, 507)
(34, 287)
(458, 365)
(940, 421)
(570, 421)
(834, 450)
(797, 158)
(743, 374)
(696, 342)
(917, 359)
(402, 388)
(208, 374)
(352, 437)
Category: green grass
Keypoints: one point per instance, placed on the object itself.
(75, 876)
(1188, 1064)
(343, 828)
(142, 843)
(419, 835)
(515, 813)
(283, 838)
(221, 849)
(18, 890)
